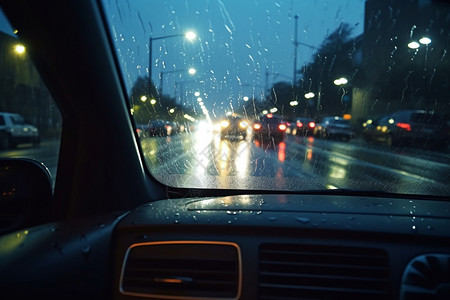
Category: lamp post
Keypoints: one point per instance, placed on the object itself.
(191, 71)
(190, 35)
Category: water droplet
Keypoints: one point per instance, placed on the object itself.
(272, 219)
(229, 212)
(303, 220)
(259, 212)
(414, 228)
(229, 222)
(430, 228)
(177, 214)
(176, 221)
(194, 217)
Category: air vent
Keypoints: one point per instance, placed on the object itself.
(291, 271)
(427, 277)
(182, 270)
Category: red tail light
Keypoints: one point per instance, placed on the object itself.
(312, 124)
(282, 127)
(405, 126)
(257, 126)
(299, 124)
(270, 116)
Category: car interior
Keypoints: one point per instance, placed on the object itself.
(105, 228)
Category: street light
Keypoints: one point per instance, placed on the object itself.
(19, 49)
(144, 98)
(153, 102)
(423, 40)
(246, 98)
(190, 35)
(191, 71)
(341, 81)
(311, 94)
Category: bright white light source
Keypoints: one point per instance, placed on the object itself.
(190, 35)
(246, 98)
(341, 81)
(196, 94)
(20, 49)
(265, 112)
(192, 71)
(311, 94)
(273, 110)
(425, 40)
(413, 45)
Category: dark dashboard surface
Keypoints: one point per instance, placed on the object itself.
(289, 247)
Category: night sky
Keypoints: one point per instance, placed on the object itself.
(237, 42)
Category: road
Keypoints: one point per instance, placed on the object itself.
(202, 160)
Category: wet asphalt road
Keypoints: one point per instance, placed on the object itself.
(201, 159)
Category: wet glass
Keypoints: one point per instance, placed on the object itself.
(30, 122)
(194, 64)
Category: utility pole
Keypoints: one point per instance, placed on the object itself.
(295, 50)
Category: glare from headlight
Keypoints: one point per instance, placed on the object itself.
(243, 124)
(225, 124)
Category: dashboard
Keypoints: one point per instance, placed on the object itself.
(283, 247)
(238, 247)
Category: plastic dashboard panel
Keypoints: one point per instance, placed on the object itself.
(400, 229)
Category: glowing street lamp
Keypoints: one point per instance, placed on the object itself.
(144, 98)
(153, 102)
(19, 49)
(312, 95)
(191, 71)
(190, 35)
(413, 45)
(425, 40)
(341, 81)
(246, 98)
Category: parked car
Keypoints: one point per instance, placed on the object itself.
(303, 127)
(334, 128)
(234, 127)
(14, 131)
(269, 127)
(408, 127)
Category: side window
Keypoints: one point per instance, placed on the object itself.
(26, 102)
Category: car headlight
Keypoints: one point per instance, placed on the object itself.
(224, 124)
(243, 124)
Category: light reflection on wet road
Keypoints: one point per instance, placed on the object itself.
(201, 159)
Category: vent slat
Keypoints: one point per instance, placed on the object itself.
(288, 271)
(276, 263)
(309, 276)
(322, 289)
(198, 270)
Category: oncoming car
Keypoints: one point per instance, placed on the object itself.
(100, 212)
(234, 127)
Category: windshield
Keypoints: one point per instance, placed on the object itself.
(349, 62)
